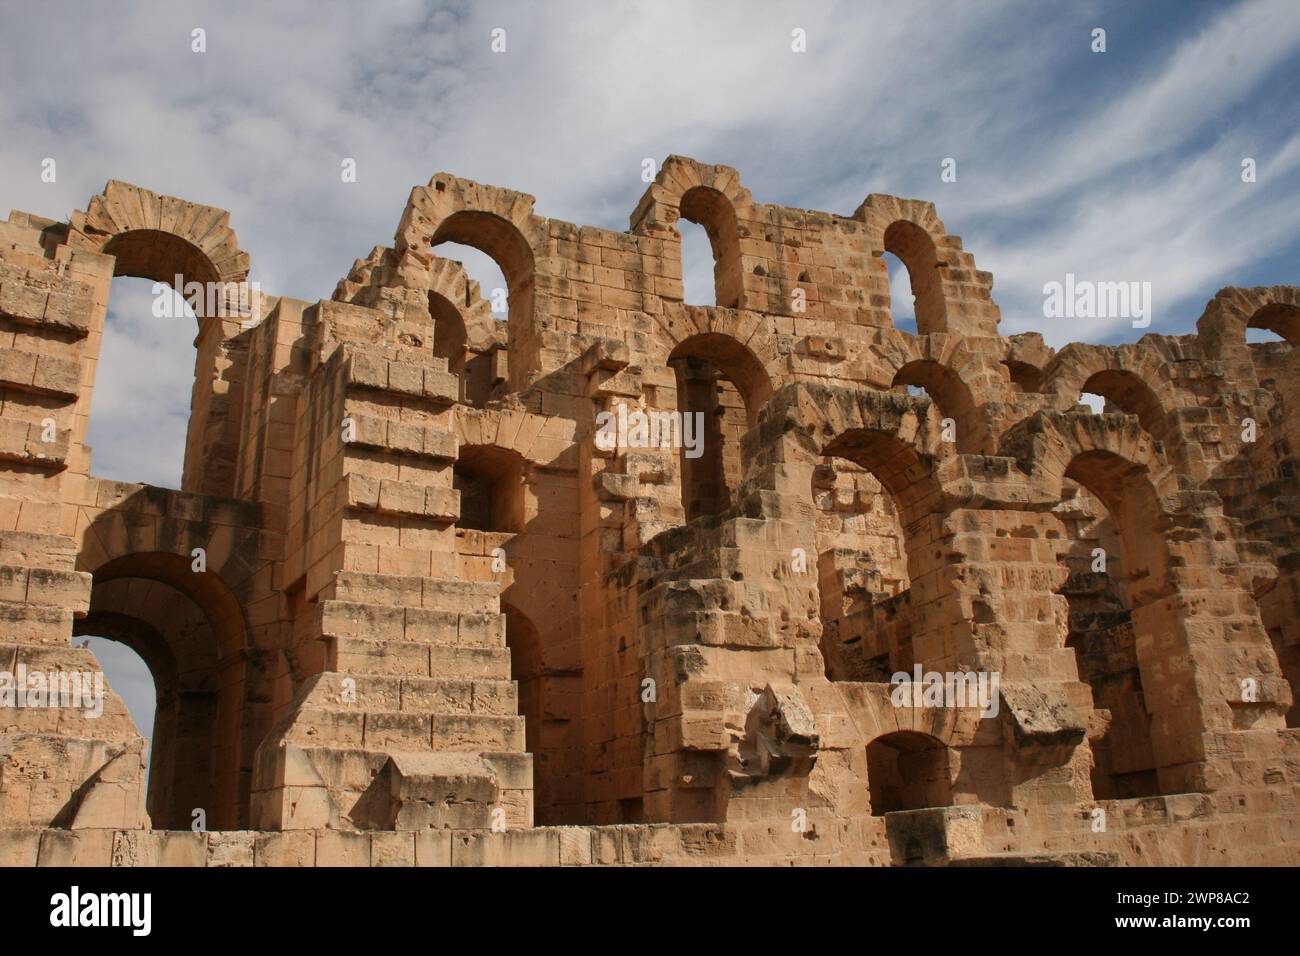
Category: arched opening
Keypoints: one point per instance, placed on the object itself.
(128, 673)
(160, 256)
(483, 269)
(540, 686)
(950, 397)
(1278, 318)
(868, 489)
(188, 630)
(1128, 393)
(1271, 333)
(862, 574)
(1102, 636)
(907, 770)
(697, 265)
(218, 310)
(526, 670)
(1264, 337)
(1117, 617)
(902, 301)
(480, 371)
(916, 250)
(711, 209)
(496, 255)
(1025, 378)
(490, 481)
(473, 340)
(139, 423)
(721, 385)
(1092, 403)
(449, 335)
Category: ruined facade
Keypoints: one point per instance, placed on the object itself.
(409, 608)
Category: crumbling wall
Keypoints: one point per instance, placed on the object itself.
(436, 601)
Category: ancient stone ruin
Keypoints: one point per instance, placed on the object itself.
(413, 604)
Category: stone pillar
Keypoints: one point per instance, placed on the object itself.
(61, 764)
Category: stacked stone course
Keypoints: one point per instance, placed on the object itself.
(407, 609)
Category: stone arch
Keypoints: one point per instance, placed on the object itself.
(205, 589)
(954, 399)
(908, 770)
(464, 332)
(165, 527)
(177, 644)
(1135, 380)
(1115, 460)
(157, 237)
(711, 209)
(896, 439)
(161, 237)
(1169, 537)
(710, 196)
(911, 230)
(724, 384)
(1045, 442)
(503, 451)
(906, 472)
(736, 361)
(744, 341)
(192, 633)
(1221, 329)
(950, 372)
(498, 222)
(516, 433)
(916, 249)
(496, 236)
(1282, 318)
(1122, 665)
(889, 629)
(896, 717)
(804, 421)
(1132, 394)
(490, 482)
(661, 204)
(1126, 490)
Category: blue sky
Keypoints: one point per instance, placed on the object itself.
(1123, 165)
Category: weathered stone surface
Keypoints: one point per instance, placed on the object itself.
(622, 580)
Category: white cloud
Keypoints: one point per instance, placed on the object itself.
(1178, 98)
(1175, 227)
(143, 386)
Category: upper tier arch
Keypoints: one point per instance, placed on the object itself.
(159, 237)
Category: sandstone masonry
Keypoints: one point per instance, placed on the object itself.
(436, 622)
